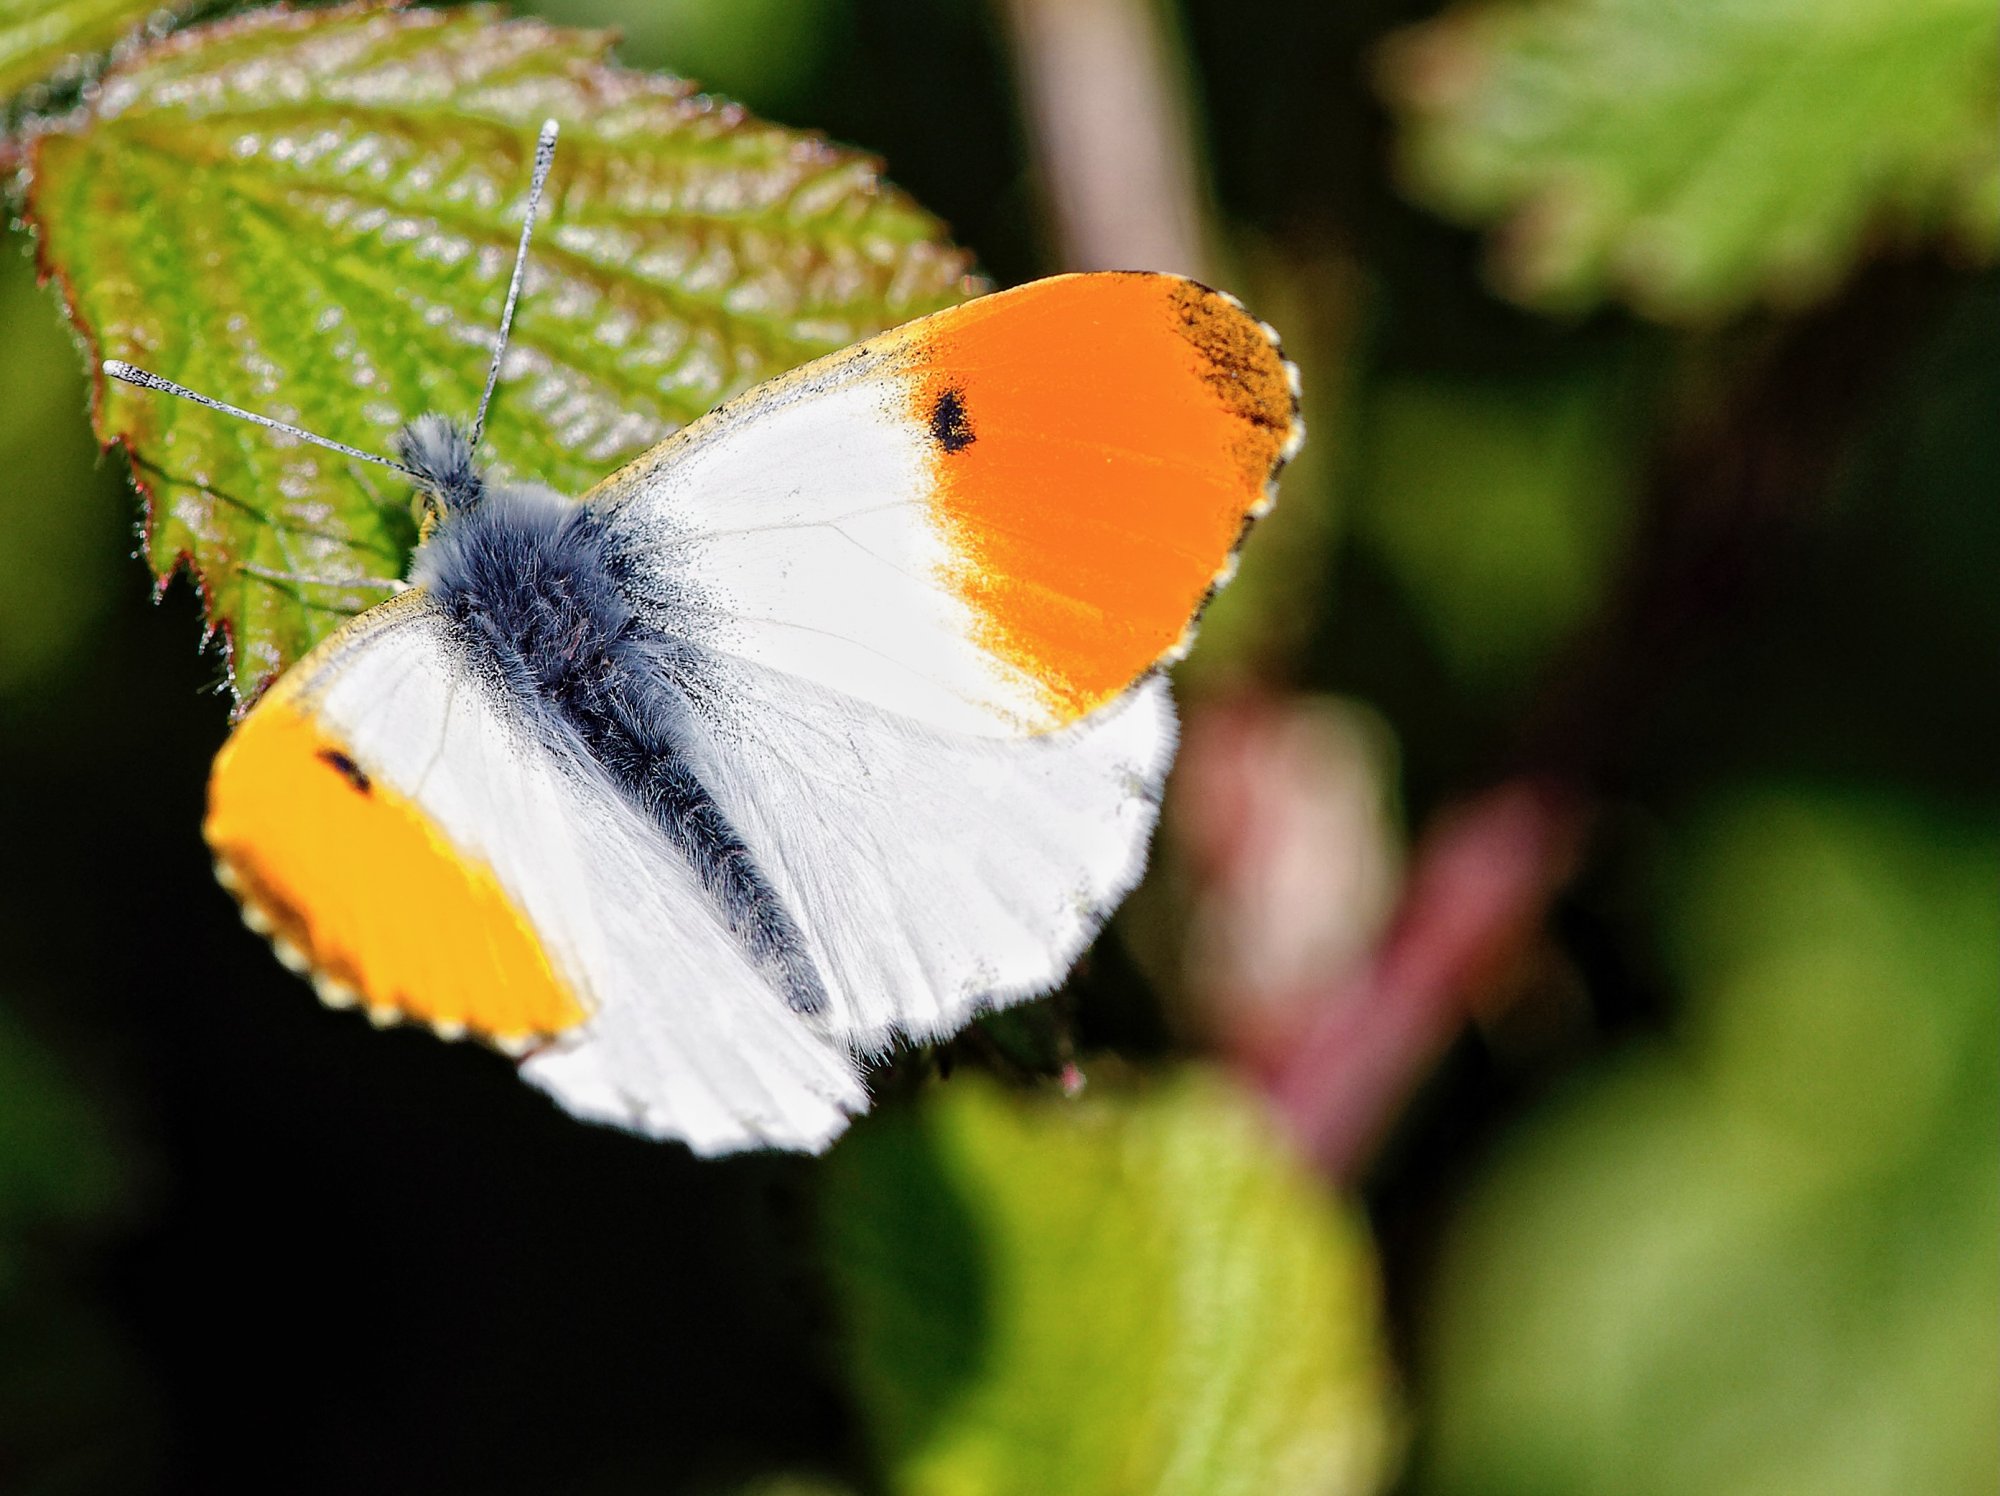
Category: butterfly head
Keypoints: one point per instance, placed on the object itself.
(438, 453)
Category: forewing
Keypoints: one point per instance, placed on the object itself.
(993, 520)
(428, 847)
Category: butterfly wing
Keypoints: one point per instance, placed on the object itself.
(992, 520)
(931, 578)
(933, 873)
(429, 848)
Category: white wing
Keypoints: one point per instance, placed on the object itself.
(683, 1038)
(934, 874)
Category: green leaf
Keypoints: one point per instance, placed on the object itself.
(1696, 158)
(42, 40)
(1756, 1257)
(765, 51)
(1139, 1291)
(1501, 508)
(314, 216)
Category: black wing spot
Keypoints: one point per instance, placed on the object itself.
(356, 777)
(950, 427)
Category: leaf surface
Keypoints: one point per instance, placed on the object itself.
(1697, 158)
(45, 39)
(1136, 1292)
(314, 216)
(1755, 1253)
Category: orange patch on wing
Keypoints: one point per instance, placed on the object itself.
(353, 882)
(1099, 443)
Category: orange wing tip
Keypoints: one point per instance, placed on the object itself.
(1295, 435)
(1289, 448)
(1294, 441)
(1110, 405)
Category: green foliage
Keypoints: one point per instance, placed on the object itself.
(40, 39)
(1500, 508)
(1139, 1291)
(1695, 158)
(313, 216)
(64, 525)
(1760, 1259)
(761, 51)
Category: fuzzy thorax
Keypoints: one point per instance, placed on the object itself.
(535, 586)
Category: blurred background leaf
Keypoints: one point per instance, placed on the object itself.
(765, 52)
(72, 1414)
(1137, 1291)
(1757, 1256)
(63, 520)
(313, 215)
(1500, 507)
(1696, 158)
(58, 1168)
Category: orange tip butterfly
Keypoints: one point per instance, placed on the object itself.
(836, 718)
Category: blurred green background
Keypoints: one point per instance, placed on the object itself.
(1652, 359)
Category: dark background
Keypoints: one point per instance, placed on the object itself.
(246, 1243)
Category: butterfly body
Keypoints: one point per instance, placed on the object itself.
(540, 594)
(835, 719)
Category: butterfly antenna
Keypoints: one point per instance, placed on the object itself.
(119, 369)
(545, 152)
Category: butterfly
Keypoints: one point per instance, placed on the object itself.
(835, 719)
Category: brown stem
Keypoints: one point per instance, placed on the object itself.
(1110, 123)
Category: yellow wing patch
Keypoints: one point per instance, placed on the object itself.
(355, 884)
